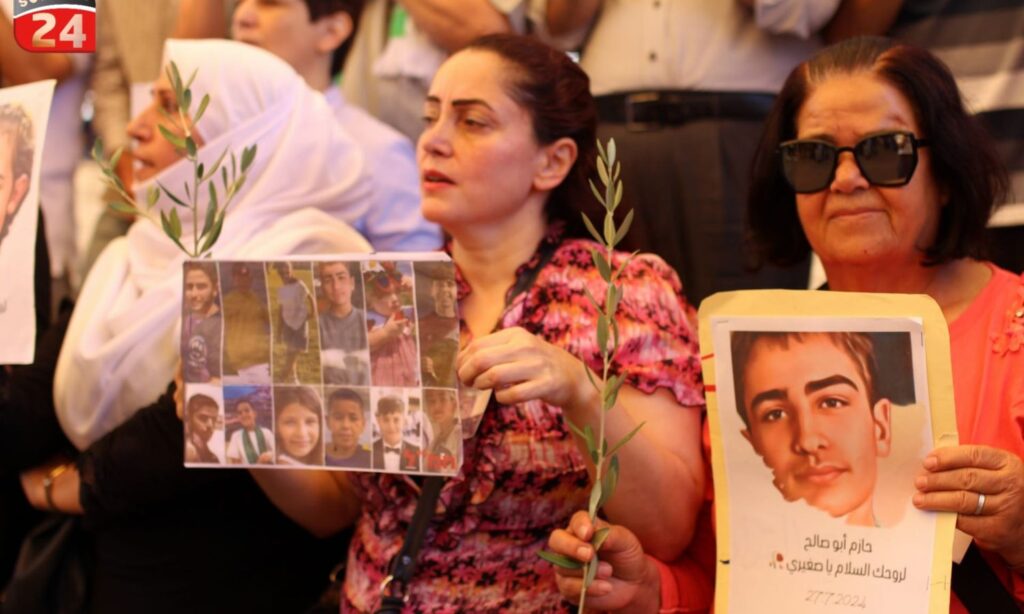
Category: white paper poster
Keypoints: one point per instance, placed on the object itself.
(24, 112)
(820, 422)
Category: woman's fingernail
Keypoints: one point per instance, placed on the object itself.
(920, 482)
(930, 462)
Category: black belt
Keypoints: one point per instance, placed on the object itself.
(651, 109)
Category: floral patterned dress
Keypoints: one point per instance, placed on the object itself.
(523, 475)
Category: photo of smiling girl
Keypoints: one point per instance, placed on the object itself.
(298, 415)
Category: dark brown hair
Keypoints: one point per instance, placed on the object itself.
(322, 8)
(963, 158)
(556, 94)
(858, 346)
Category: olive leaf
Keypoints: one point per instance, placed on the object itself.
(178, 132)
(606, 462)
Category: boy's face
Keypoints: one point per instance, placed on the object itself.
(199, 291)
(203, 421)
(338, 283)
(246, 416)
(284, 271)
(443, 291)
(391, 425)
(440, 406)
(811, 422)
(12, 189)
(346, 422)
(283, 27)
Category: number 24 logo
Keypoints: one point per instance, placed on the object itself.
(73, 32)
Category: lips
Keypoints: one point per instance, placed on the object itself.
(431, 176)
(821, 474)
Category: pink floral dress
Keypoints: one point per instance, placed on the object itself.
(523, 475)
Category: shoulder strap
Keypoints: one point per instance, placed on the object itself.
(394, 588)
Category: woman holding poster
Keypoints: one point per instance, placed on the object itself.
(508, 148)
(870, 159)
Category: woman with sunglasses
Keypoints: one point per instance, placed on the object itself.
(870, 159)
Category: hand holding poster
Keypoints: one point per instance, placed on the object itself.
(346, 362)
(819, 425)
(24, 112)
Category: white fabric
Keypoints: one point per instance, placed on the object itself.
(801, 19)
(304, 190)
(394, 222)
(236, 449)
(707, 45)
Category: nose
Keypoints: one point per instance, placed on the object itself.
(244, 14)
(848, 177)
(809, 437)
(138, 128)
(435, 140)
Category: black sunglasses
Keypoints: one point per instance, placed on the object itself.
(887, 159)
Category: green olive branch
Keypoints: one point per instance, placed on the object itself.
(183, 141)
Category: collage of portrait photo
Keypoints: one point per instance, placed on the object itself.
(334, 363)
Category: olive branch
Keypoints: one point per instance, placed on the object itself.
(606, 461)
(202, 240)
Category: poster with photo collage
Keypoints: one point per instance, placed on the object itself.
(343, 362)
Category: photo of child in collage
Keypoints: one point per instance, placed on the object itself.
(337, 364)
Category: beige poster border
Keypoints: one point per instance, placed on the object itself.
(794, 303)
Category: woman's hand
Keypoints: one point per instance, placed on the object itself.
(522, 367)
(626, 578)
(954, 478)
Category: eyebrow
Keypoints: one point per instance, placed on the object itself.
(462, 102)
(835, 380)
(775, 394)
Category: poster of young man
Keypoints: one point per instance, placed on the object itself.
(822, 408)
(24, 111)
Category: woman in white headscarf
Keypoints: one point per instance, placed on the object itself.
(167, 539)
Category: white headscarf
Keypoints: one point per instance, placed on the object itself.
(304, 191)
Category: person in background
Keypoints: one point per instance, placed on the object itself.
(314, 37)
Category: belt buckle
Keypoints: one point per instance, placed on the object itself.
(634, 99)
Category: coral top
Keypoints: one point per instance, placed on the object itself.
(987, 348)
(988, 383)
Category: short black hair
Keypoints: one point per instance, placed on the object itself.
(322, 8)
(963, 157)
(344, 394)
